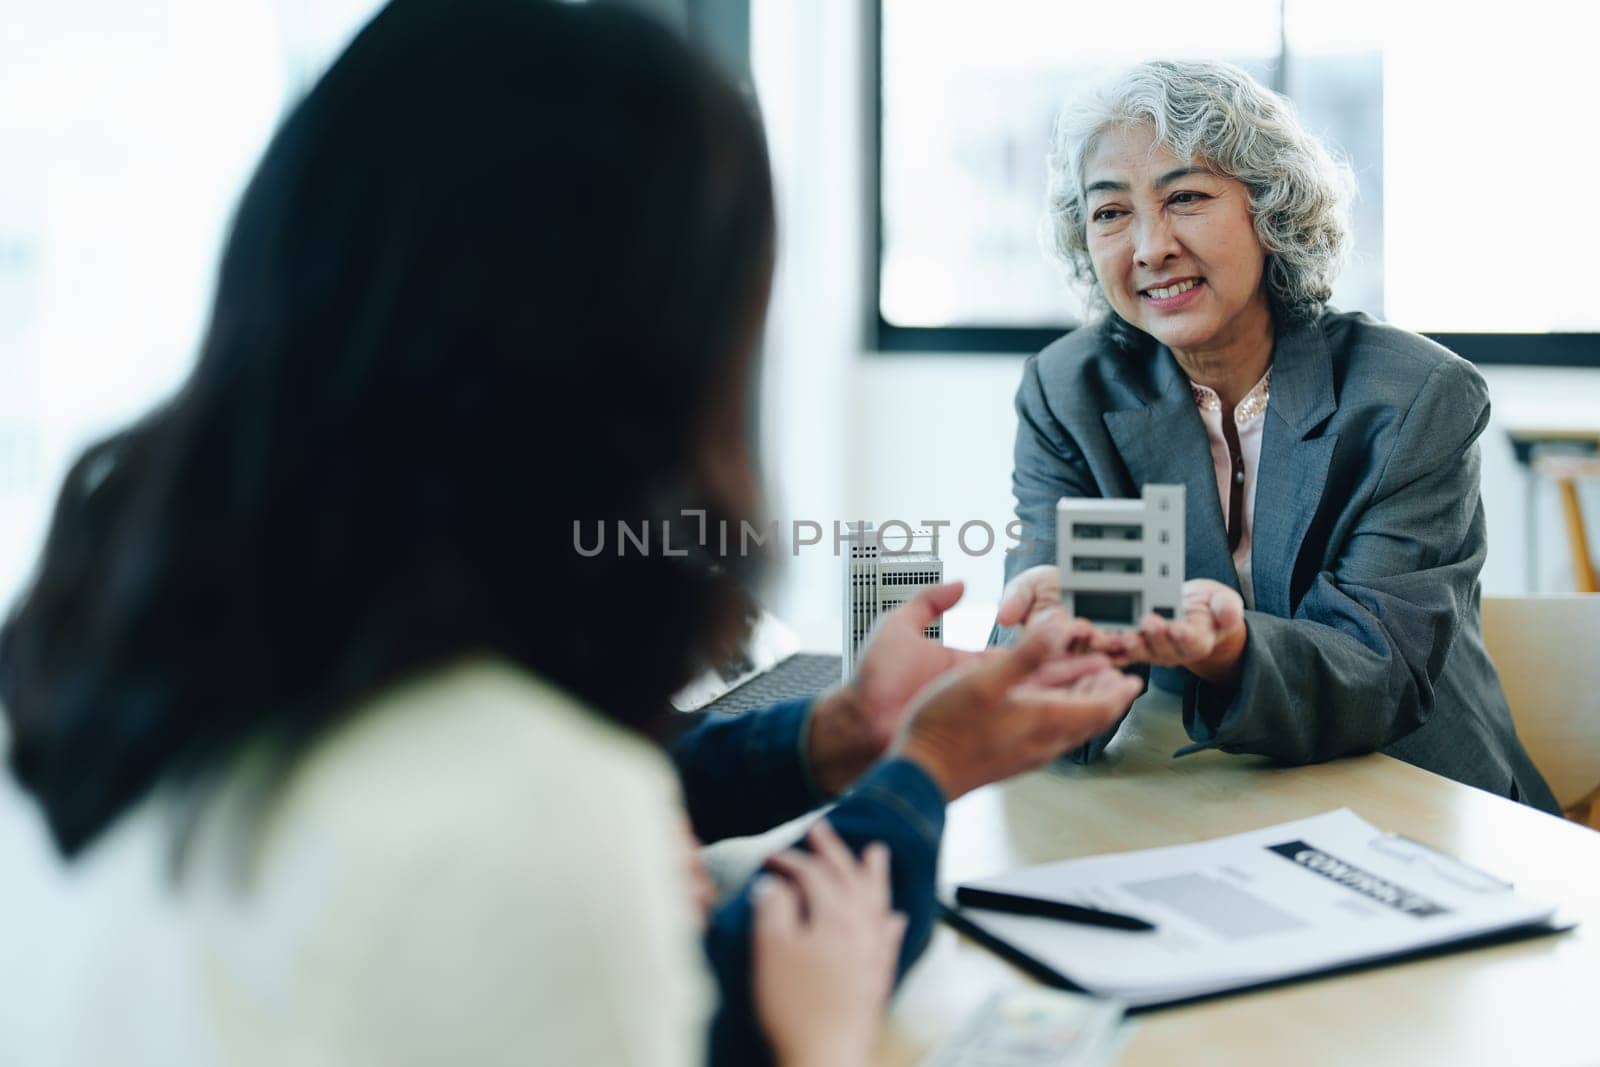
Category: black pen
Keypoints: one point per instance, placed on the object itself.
(992, 900)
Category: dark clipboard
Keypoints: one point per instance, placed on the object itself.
(952, 917)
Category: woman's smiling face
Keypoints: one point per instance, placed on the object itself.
(1173, 244)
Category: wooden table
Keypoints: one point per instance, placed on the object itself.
(1532, 1002)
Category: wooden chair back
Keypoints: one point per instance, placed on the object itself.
(1547, 651)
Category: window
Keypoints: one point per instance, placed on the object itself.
(1468, 145)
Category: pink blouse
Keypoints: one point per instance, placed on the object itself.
(1248, 419)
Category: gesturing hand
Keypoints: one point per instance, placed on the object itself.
(852, 724)
(824, 951)
(1014, 709)
(701, 889)
(1034, 591)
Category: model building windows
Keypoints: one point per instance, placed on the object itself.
(1119, 557)
(1094, 531)
(1107, 609)
(1108, 564)
(911, 578)
(869, 577)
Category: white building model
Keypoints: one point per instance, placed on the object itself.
(879, 576)
(1121, 558)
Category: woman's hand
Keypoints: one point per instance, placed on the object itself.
(1032, 592)
(701, 890)
(1013, 709)
(852, 724)
(1209, 639)
(825, 946)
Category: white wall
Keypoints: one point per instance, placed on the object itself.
(935, 432)
(806, 59)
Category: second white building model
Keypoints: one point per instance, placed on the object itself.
(878, 579)
(1121, 558)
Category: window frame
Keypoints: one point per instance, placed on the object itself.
(889, 339)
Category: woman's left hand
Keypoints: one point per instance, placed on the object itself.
(824, 951)
(1209, 639)
(702, 891)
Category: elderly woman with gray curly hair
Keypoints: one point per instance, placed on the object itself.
(1331, 605)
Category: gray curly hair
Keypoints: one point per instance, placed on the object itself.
(1299, 193)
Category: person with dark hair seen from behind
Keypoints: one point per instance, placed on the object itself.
(317, 622)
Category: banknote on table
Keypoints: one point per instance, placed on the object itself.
(1034, 1028)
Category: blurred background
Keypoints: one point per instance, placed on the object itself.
(908, 139)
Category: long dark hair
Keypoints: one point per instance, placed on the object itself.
(497, 272)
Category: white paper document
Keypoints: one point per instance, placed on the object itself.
(1288, 900)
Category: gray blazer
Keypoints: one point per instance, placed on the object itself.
(1365, 553)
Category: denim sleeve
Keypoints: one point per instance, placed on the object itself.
(897, 804)
(746, 773)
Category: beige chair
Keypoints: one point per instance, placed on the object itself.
(1547, 650)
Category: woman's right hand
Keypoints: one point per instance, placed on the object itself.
(1014, 709)
(825, 947)
(1034, 591)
